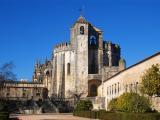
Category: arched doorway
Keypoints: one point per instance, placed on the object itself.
(93, 90)
(92, 87)
(45, 93)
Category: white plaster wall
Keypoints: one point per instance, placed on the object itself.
(127, 77)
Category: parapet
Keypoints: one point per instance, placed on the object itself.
(62, 47)
(109, 46)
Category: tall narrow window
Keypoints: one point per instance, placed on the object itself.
(136, 86)
(126, 88)
(118, 87)
(68, 68)
(82, 30)
(131, 87)
(115, 89)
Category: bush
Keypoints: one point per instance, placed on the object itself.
(113, 105)
(130, 102)
(4, 115)
(3, 106)
(84, 105)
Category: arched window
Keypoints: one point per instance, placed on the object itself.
(118, 87)
(126, 88)
(136, 86)
(131, 87)
(47, 73)
(115, 88)
(68, 68)
(82, 30)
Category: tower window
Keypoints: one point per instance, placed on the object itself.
(68, 68)
(81, 30)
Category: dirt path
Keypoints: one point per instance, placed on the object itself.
(48, 117)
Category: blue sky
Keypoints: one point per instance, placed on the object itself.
(30, 28)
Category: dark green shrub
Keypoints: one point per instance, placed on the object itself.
(130, 116)
(130, 102)
(103, 115)
(3, 106)
(4, 115)
(84, 105)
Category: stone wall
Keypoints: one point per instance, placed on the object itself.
(61, 60)
(21, 91)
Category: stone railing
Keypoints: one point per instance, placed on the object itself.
(98, 102)
(94, 76)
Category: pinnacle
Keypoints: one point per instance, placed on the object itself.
(81, 19)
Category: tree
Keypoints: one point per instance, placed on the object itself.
(76, 94)
(6, 73)
(151, 81)
(130, 102)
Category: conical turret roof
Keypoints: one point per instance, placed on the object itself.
(81, 19)
(122, 60)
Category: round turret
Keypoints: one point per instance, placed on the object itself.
(122, 64)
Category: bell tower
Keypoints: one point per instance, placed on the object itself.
(79, 44)
(79, 29)
(86, 41)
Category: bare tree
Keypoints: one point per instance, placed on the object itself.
(76, 94)
(6, 73)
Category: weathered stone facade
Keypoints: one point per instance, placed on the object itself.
(21, 91)
(43, 75)
(81, 64)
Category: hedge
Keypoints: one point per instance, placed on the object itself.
(4, 115)
(87, 114)
(117, 116)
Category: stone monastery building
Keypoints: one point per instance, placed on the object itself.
(91, 66)
(81, 64)
(86, 65)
